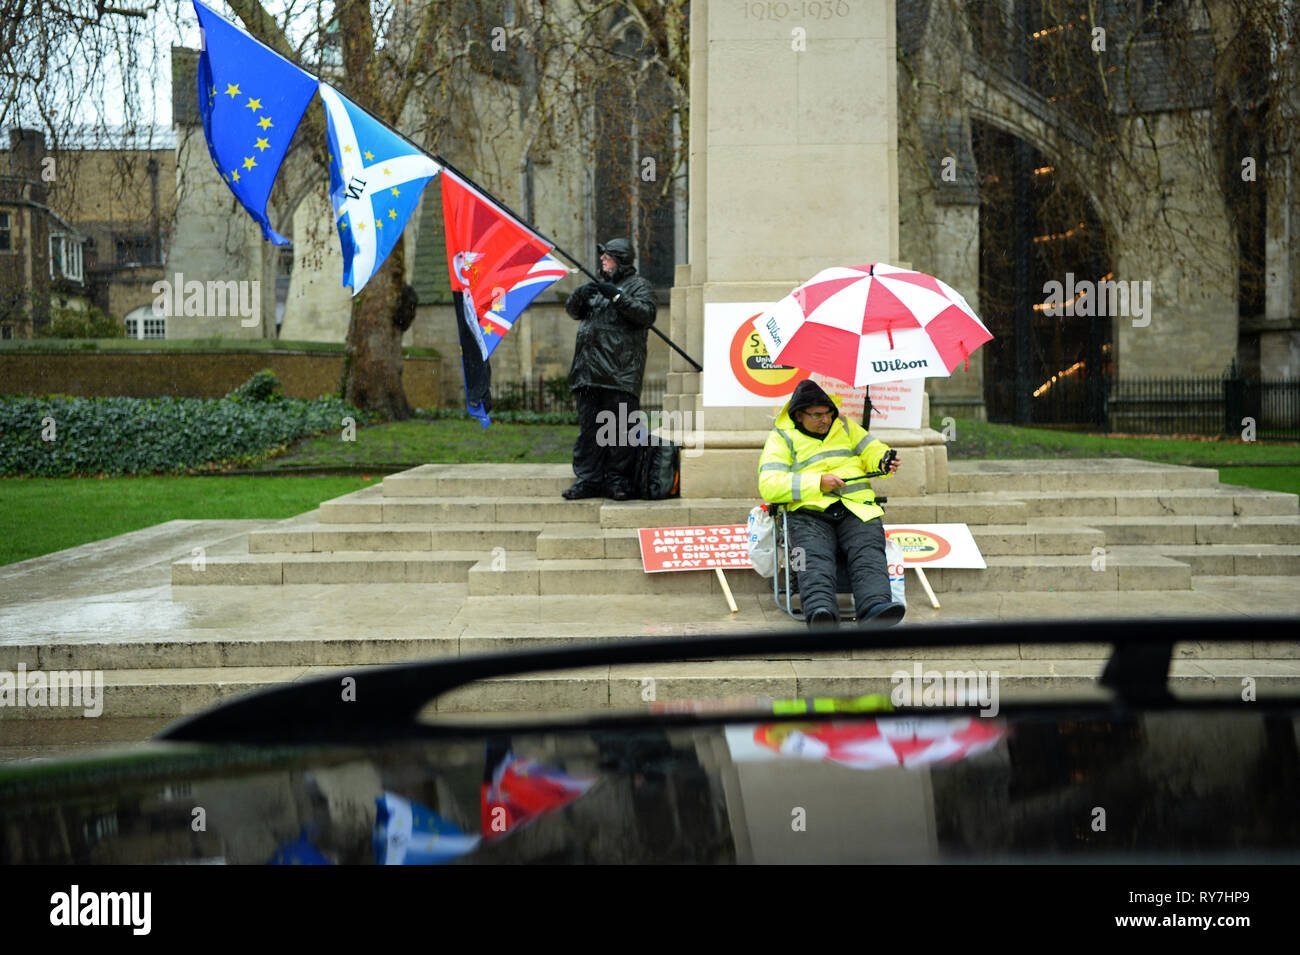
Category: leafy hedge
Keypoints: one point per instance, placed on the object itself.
(61, 436)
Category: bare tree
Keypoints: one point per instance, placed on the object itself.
(432, 69)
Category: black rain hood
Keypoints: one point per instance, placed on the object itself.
(621, 251)
(806, 394)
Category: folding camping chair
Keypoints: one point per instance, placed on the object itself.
(785, 582)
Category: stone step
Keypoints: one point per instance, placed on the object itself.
(369, 506)
(583, 542)
(1222, 500)
(340, 567)
(1222, 560)
(480, 480)
(151, 693)
(1194, 529)
(1074, 475)
(227, 648)
(1005, 540)
(525, 574)
(587, 542)
(518, 623)
(931, 509)
(1252, 501)
(158, 650)
(323, 538)
(377, 509)
(1045, 572)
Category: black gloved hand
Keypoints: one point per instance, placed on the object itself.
(607, 289)
(585, 290)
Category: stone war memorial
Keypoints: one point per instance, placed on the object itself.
(813, 142)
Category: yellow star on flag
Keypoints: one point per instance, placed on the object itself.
(262, 144)
(347, 149)
(379, 224)
(392, 213)
(369, 155)
(387, 173)
(265, 122)
(214, 91)
(361, 226)
(343, 225)
(232, 90)
(235, 174)
(254, 104)
(249, 162)
(395, 192)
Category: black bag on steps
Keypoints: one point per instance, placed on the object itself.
(657, 471)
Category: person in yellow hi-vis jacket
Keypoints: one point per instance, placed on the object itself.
(814, 463)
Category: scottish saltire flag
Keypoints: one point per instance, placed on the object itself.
(376, 178)
(407, 833)
(497, 263)
(251, 100)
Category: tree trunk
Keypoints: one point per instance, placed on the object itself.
(373, 379)
(373, 370)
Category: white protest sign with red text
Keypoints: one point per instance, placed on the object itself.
(897, 404)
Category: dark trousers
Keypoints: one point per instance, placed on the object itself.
(605, 452)
(823, 540)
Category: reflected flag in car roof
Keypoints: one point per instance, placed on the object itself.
(299, 852)
(520, 789)
(877, 743)
(407, 833)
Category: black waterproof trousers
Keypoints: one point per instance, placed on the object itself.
(605, 453)
(823, 539)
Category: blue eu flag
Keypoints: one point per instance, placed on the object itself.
(251, 100)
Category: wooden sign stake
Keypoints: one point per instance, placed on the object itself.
(926, 584)
(722, 579)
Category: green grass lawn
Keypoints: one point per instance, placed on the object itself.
(980, 439)
(1238, 462)
(42, 515)
(402, 444)
(1268, 479)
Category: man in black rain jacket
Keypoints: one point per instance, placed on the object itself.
(608, 366)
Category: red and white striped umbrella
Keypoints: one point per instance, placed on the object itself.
(869, 323)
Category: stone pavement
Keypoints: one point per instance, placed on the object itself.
(168, 647)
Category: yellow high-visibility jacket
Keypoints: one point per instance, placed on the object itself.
(791, 468)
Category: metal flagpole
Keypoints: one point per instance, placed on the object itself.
(460, 175)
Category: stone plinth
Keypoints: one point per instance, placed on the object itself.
(779, 191)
